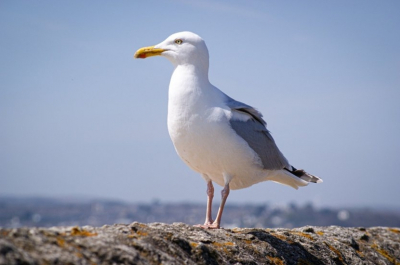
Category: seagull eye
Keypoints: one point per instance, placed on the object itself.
(178, 41)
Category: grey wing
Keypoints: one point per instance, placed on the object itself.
(239, 106)
(254, 132)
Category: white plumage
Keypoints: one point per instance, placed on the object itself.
(226, 141)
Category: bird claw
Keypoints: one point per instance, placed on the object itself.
(209, 226)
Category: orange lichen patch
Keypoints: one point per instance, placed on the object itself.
(79, 255)
(76, 231)
(4, 233)
(193, 244)
(168, 236)
(384, 253)
(337, 252)
(247, 241)
(360, 253)
(276, 260)
(304, 235)
(223, 246)
(281, 237)
(60, 242)
(217, 244)
(141, 233)
(320, 233)
(394, 230)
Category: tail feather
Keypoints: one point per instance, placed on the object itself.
(286, 178)
(300, 173)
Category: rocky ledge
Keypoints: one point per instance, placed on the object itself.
(159, 243)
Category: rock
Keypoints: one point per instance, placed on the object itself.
(159, 243)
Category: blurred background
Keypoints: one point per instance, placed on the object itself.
(83, 123)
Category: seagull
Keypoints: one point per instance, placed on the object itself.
(224, 140)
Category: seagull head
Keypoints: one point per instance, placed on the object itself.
(182, 48)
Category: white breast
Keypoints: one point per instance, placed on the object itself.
(198, 124)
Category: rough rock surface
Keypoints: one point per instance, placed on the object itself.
(158, 243)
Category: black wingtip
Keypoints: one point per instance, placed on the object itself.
(300, 173)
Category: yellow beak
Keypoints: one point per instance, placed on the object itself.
(147, 52)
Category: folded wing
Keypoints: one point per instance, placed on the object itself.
(254, 132)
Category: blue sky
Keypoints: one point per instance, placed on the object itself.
(80, 117)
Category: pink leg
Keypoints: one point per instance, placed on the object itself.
(217, 222)
(210, 196)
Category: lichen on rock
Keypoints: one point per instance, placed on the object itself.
(159, 243)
